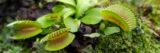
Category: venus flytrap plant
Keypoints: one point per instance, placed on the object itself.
(58, 39)
(71, 18)
(26, 29)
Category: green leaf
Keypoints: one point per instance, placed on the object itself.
(72, 23)
(92, 35)
(93, 16)
(111, 30)
(82, 6)
(70, 2)
(48, 19)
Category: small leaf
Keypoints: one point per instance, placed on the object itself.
(102, 26)
(26, 29)
(72, 23)
(70, 2)
(82, 6)
(92, 35)
(93, 16)
(48, 19)
(111, 30)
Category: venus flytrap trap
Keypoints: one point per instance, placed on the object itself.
(26, 29)
(58, 39)
(120, 15)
